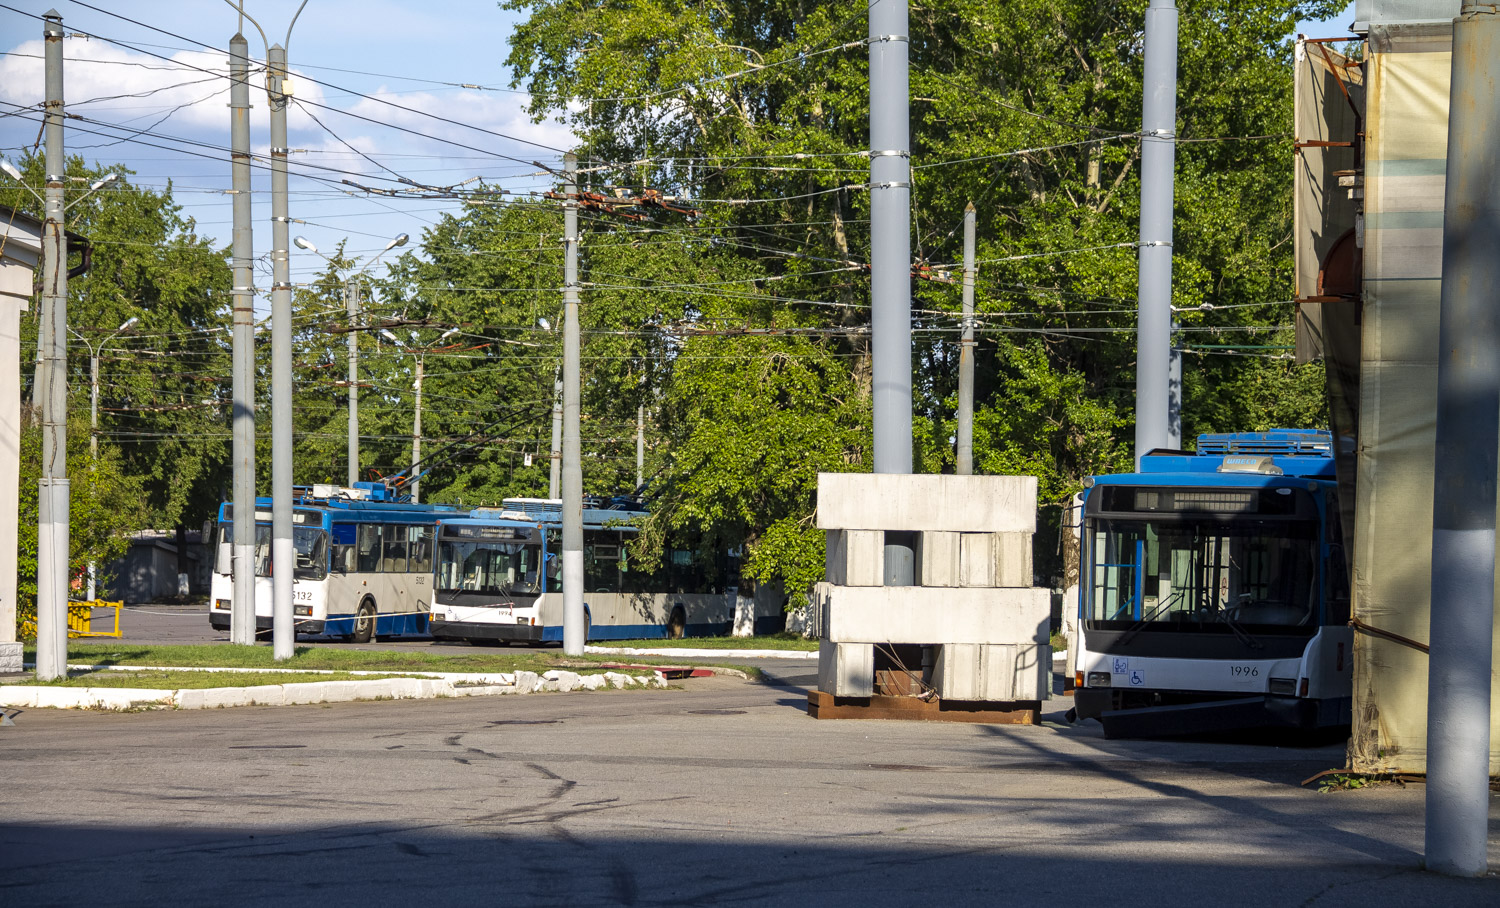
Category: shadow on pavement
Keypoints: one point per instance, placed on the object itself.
(532, 860)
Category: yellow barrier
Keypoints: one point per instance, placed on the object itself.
(80, 620)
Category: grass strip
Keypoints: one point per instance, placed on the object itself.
(330, 657)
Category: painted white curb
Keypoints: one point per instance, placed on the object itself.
(702, 653)
(112, 698)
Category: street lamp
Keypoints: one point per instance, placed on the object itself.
(94, 352)
(14, 173)
(352, 286)
(416, 426)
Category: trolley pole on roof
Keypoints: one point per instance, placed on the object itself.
(1468, 430)
(572, 469)
(964, 432)
(242, 599)
(52, 388)
(1154, 293)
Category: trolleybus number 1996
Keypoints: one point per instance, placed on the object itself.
(1245, 671)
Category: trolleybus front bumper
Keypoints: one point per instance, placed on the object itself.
(474, 630)
(1205, 716)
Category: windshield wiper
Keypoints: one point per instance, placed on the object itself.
(1240, 633)
(1140, 625)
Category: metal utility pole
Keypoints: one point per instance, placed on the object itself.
(965, 429)
(1174, 398)
(890, 235)
(242, 601)
(283, 552)
(574, 629)
(554, 489)
(1468, 431)
(416, 434)
(52, 530)
(94, 353)
(351, 305)
(1154, 293)
(416, 425)
(640, 446)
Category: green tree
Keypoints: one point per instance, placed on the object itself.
(164, 387)
(105, 505)
(1026, 108)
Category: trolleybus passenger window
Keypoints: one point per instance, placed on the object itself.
(421, 548)
(395, 549)
(343, 548)
(369, 547)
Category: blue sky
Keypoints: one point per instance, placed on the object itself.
(401, 52)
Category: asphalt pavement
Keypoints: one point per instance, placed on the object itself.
(721, 792)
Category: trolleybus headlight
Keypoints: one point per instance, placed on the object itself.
(221, 604)
(304, 611)
(1283, 687)
(1098, 679)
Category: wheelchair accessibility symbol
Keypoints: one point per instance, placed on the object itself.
(1137, 678)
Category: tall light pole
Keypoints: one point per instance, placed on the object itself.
(574, 625)
(242, 598)
(51, 375)
(353, 286)
(964, 428)
(416, 425)
(52, 527)
(283, 550)
(1154, 290)
(94, 352)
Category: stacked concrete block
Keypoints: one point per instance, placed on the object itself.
(973, 601)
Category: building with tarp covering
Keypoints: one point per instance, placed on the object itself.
(1372, 137)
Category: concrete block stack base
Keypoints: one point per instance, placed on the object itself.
(974, 607)
(912, 709)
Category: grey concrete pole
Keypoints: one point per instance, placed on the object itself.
(554, 489)
(1464, 469)
(94, 407)
(10, 469)
(416, 435)
(283, 553)
(572, 467)
(1174, 399)
(890, 256)
(351, 304)
(1158, 163)
(890, 236)
(965, 429)
(52, 530)
(242, 601)
(640, 446)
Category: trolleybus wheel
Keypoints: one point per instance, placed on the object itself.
(364, 623)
